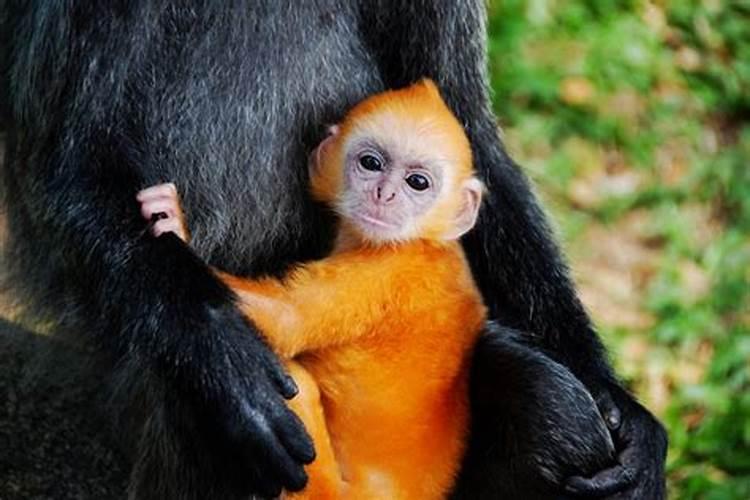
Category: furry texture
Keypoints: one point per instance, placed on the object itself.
(226, 99)
(393, 375)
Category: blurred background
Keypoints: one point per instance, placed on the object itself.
(633, 120)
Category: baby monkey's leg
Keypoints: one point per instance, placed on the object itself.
(164, 199)
(325, 482)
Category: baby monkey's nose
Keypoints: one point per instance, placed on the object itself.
(384, 195)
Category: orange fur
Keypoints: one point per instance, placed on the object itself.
(379, 336)
(386, 333)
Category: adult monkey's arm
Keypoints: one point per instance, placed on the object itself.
(518, 267)
(216, 423)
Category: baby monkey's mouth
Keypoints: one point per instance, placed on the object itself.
(369, 219)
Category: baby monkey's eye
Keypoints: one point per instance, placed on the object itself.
(418, 182)
(371, 163)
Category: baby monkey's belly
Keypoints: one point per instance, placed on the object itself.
(397, 428)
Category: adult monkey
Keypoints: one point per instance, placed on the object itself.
(225, 99)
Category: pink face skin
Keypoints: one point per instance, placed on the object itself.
(385, 190)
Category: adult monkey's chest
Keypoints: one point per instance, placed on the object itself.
(233, 116)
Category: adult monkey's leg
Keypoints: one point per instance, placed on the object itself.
(325, 475)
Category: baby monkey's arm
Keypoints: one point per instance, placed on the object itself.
(298, 315)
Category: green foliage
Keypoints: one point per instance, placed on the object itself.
(631, 110)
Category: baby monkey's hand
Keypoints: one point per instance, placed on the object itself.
(163, 202)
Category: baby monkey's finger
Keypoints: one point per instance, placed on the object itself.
(166, 190)
(160, 205)
(168, 225)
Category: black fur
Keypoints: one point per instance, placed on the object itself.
(226, 99)
(505, 461)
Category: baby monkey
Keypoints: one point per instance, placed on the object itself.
(377, 335)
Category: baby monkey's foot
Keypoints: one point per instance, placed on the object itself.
(163, 202)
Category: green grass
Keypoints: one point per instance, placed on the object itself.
(633, 118)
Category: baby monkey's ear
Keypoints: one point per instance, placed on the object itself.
(470, 193)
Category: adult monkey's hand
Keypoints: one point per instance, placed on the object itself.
(538, 433)
(216, 424)
(641, 444)
(227, 401)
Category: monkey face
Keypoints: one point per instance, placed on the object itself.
(398, 168)
(386, 192)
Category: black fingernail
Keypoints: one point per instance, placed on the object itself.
(613, 419)
(291, 387)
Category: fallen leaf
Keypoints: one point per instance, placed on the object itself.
(688, 59)
(576, 90)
